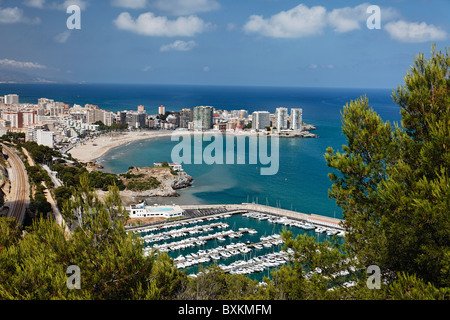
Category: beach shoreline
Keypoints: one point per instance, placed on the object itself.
(92, 150)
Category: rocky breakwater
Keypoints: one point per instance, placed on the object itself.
(153, 182)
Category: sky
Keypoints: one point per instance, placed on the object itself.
(322, 43)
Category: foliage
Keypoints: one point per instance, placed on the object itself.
(141, 185)
(214, 284)
(62, 194)
(15, 137)
(9, 232)
(40, 153)
(110, 259)
(70, 176)
(392, 182)
(113, 127)
(38, 175)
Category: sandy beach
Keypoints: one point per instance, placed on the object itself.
(94, 149)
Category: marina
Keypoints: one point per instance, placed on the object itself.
(239, 241)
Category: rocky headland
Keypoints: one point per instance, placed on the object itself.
(143, 182)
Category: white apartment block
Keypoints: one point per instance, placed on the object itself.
(46, 138)
(11, 99)
(13, 117)
(260, 120)
(297, 119)
(281, 118)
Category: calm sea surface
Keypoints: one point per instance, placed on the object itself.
(301, 183)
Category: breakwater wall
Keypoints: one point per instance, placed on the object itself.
(313, 218)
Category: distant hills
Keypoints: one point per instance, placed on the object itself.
(14, 76)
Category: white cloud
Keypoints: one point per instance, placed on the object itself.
(150, 25)
(298, 22)
(15, 15)
(179, 45)
(62, 37)
(231, 26)
(302, 21)
(316, 66)
(133, 4)
(66, 3)
(147, 69)
(348, 19)
(414, 32)
(11, 15)
(58, 5)
(20, 64)
(35, 3)
(206, 69)
(186, 7)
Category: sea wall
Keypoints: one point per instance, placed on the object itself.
(313, 218)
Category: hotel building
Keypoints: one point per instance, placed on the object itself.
(11, 99)
(260, 120)
(203, 118)
(186, 116)
(296, 119)
(143, 211)
(281, 118)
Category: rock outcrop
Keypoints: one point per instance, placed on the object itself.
(154, 182)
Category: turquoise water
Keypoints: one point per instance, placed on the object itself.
(301, 183)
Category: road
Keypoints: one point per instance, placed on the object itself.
(48, 195)
(19, 198)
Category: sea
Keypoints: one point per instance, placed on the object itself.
(301, 182)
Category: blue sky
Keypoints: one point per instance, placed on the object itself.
(220, 42)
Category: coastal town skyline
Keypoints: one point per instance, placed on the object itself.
(58, 124)
(263, 43)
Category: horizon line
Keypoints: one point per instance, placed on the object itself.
(191, 85)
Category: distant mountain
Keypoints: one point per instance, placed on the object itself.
(13, 76)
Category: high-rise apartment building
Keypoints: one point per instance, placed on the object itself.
(240, 114)
(186, 116)
(135, 119)
(11, 99)
(260, 120)
(162, 110)
(296, 119)
(46, 138)
(15, 118)
(281, 118)
(203, 118)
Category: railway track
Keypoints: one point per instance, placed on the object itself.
(19, 197)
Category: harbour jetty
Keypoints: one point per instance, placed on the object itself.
(193, 212)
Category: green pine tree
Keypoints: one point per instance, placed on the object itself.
(392, 182)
